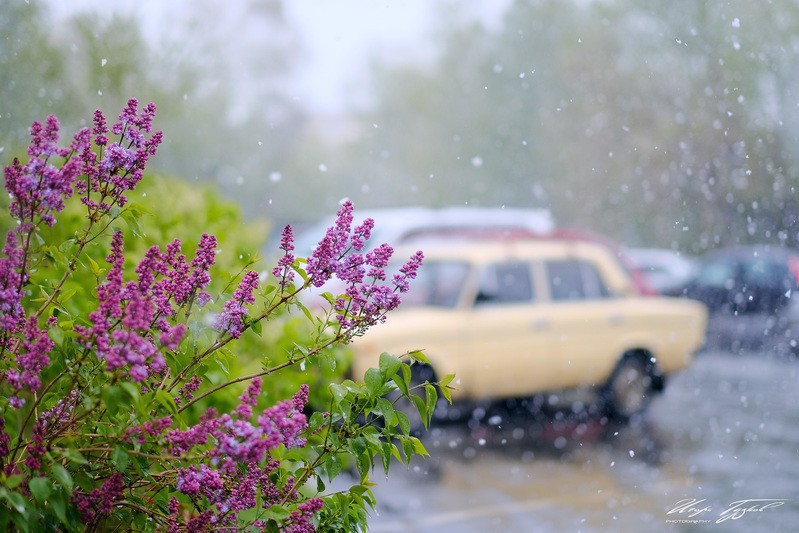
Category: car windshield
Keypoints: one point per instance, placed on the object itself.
(438, 284)
(717, 274)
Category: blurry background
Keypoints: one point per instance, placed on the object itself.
(659, 124)
(666, 124)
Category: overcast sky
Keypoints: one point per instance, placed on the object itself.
(338, 36)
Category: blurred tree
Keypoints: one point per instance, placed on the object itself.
(216, 130)
(31, 68)
(669, 124)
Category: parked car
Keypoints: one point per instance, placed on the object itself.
(404, 224)
(517, 318)
(750, 292)
(662, 269)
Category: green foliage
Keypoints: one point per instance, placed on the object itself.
(132, 403)
(657, 123)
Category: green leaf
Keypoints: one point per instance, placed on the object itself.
(74, 456)
(13, 482)
(402, 384)
(332, 467)
(422, 408)
(256, 327)
(417, 447)
(338, 391)
(167, 401)
(40, 488)
(62, 476)
(386, 409)
(14, 498)
(364, 463)
(404, 422)
(374, 382)
(277, 512)
(95, 268)
(419, 357)
(444, 385)
(431, 398)
(389, 364)
(59, 505)
(305, 310)
(120, 458)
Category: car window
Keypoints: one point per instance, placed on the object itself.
(575, 280)
(719, 275)
(437, 283)
(762, 273)
(503, 283)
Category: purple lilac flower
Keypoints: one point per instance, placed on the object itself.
(39, 188)
(155, 428)
(204, 480)
(324, 259)
(188, 389)
(203, 260)
(285, 421)
(121, 326)
(56, 419)
(12, 314)
(283, 271)
(5, 441)
(171, 337)
(249, 399)
(300, 519)
(180, 442)
(122, 164)
(244, 492)
(366, 302)
(361, 234)
(101, 500)
(237, 439)
(231, 321)
(32, 356)
(200, 523)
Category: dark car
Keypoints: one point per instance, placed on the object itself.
(750, 292)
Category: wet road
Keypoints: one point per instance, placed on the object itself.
(726, 430)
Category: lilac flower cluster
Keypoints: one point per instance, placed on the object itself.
(99, 501)
(32, 357)
(51, 421)
(221, 465)
(38, 189)
(121, 330)
(152, 429)
(240, 441)
(366, 298)
(232, 476)
(12, 315)
(5, 441)
(283, 271)
(121, 164)
(232, 319)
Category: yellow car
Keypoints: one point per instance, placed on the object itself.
(519, 318)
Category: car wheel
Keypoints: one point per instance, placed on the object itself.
(630, 388)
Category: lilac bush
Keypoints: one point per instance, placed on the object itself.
(108, 417)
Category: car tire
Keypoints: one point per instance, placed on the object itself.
(631, 387)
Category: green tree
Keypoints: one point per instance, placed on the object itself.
(657, 123)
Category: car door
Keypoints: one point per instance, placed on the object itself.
(585, 321)
(507, 333)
